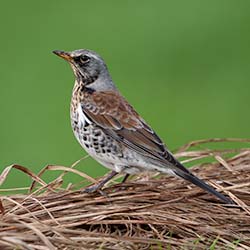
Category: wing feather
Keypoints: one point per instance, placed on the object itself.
(111, 111)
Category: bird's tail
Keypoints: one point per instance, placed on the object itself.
(182, 172)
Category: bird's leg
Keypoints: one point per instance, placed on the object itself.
(125, 178)
(100, 184)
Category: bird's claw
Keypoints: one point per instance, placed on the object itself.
(94, 188)
(90, 189)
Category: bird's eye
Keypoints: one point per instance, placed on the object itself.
(84, 59)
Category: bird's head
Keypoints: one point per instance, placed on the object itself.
(88, 67)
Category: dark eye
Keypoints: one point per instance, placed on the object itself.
(84, 59)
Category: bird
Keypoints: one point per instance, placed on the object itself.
(110, 129)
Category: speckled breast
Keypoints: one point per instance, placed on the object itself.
(92, 138)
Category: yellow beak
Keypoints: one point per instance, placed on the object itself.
(63, 54)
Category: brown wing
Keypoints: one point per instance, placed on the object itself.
(114, 114)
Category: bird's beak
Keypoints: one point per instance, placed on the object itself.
(63, 54)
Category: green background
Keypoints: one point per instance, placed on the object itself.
(184, 65)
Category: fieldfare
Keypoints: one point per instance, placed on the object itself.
(111, 131)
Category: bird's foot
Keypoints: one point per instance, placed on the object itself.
(91, 189)
(96, 187)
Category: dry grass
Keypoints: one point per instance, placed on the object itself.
(147, 212)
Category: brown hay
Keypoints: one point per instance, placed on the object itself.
(148, 212)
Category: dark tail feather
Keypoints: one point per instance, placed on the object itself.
(198, 182)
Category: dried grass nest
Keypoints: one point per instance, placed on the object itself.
(147, 212)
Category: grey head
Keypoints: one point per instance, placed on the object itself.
(89, 69)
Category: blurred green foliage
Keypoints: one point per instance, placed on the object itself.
(184, 65)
